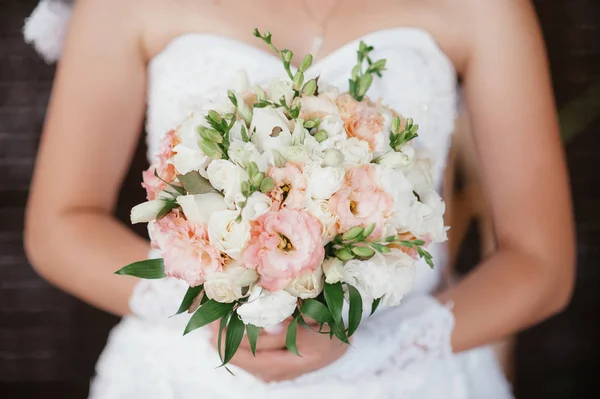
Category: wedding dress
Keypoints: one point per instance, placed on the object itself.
(401, 352)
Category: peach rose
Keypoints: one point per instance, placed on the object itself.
(185, 248)
(361, 201)
(362, 120)
(284, 245)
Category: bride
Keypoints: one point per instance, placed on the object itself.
(124, 60)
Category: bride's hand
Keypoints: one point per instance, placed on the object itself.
(273, 362)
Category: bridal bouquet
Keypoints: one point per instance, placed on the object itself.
(286, 201)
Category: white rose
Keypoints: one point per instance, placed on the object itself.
(355, 151)
(419, 174)
(146, 211)
(324, 182)
(395, 183)
(270, 129)
(320, 209)
(334, 126)
(230, 284)
(307, 286)
(265, 309)
(426, 217)
(257, 205)
(333, 157)
(227, 235)
(397, 158)
(369, 277)
(227, 177)
(188, 155)
(334, 270)
(279, 88)
(198, 208)
(401, 269)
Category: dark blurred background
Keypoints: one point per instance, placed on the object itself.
(49, 341)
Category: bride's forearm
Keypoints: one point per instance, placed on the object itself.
(80, 251)
(506, 293)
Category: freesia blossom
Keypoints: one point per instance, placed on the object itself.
(283, 245)
(185, 248)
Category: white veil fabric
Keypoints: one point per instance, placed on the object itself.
(46, 28)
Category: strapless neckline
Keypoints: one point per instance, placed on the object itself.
(371, 38)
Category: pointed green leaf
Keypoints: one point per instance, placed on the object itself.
(355, 311)
(190, 294)
(290, 337)
(206, 314)
(148, 269)
(334, 297)
(194, 183)
(375, 305)
(252, 332)
(170, 204)
(316, 310)
(222, 325)
(233, 337)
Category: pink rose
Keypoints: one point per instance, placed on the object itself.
(362, 120)
(361, 201)
(165, 170)
(290, 187)
(185, 248)
(284, 245)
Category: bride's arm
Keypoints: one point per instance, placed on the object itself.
(530, 276)
(88, 140)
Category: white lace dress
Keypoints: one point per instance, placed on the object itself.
(401, 352)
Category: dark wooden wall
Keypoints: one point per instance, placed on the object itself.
(49, 340)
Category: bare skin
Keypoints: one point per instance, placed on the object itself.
(97, 108)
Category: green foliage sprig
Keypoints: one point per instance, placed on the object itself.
(362, 77)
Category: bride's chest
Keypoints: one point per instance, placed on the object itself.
(196, 69)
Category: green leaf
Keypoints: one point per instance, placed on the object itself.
(364, 83)
(195, 184)
(316, 311)
(355, 311)
(222, 325)
(233, 336)
(232, 98)
(290, 337)
(206, 314)
(148, 269)
(339, 332)
(390, 238)
(190, 295)
(252, 333)
(179, 189)
(334, 297)
(375, 305)
(170, 204)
